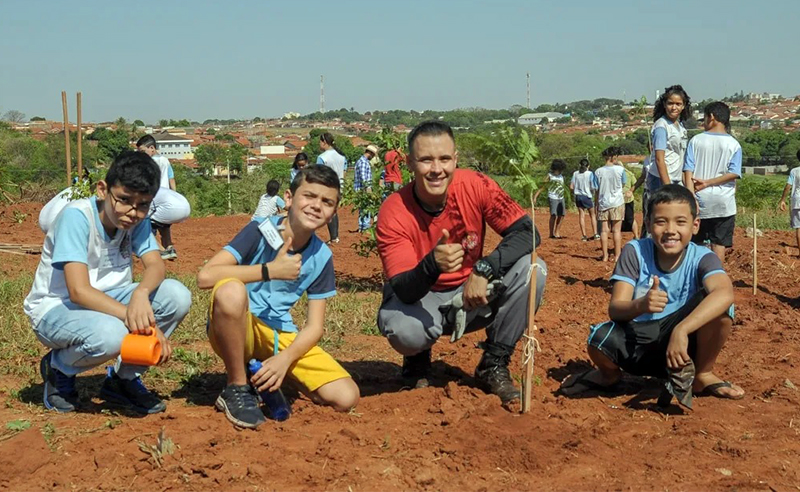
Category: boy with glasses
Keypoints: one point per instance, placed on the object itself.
(83, 301)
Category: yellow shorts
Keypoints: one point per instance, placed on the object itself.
(313, 370)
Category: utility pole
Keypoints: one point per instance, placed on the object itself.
(529, 90)
(228, 165)
(321, 93)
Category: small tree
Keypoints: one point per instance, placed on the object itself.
(14, 116)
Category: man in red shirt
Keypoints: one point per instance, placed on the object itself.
(393, 177)
(430, 239)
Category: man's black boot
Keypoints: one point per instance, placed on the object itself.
(417, 369)
(492, 373)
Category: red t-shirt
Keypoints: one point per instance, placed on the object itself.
(406, 233)
(393, 160)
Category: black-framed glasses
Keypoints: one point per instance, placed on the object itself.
(124, 208)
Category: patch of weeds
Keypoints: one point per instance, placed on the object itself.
(18, 345)
(48, 432)
(19, 217)
(18, 425)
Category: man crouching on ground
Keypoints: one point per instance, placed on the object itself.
(430, 239)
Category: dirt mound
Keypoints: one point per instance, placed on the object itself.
(452, 436)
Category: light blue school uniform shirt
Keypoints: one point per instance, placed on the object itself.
(335, 161)
(794, 182)
(584, 183)
(638, 265)
(272, 301)
(609, 190)
(711, 155)
(672, 139)
(79, 236)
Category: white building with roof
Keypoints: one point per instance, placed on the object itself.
(536, 118)
(174, 146)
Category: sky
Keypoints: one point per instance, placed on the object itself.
(202, 59)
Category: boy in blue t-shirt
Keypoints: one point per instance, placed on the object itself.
(256, 279)
(83, 301)
(671, 304)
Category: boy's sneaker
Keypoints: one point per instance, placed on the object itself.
(59, 389)
(584, 238)
(417, 370)
(169, 254)
(240, 406)
(130, 393)
(596, 236)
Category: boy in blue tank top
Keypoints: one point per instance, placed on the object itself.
(671, 304)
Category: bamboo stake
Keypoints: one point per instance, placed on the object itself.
(80, 160)
(755, 256)
(66, 138)
(530, 343)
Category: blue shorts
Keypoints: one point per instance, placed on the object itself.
(584, 202)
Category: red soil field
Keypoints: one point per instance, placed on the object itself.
(450, 436)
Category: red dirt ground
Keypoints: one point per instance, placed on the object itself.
(452, 436)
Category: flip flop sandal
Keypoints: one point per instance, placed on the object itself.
(588, 384)
(713, 390)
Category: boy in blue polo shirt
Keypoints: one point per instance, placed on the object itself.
(256, 279)
(671, 304)
(83, 301)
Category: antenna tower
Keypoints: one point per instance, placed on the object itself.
(529, 90)
(321, 93)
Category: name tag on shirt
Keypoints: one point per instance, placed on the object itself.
(271, 234)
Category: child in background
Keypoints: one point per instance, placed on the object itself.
(300, 161)
(256, 280)
(610, 201)
(555, 193)
(169, 206)
(671, 304)
(83, 301)
(668, 137)
(583, 186)
(270, 203)
(629, 220)
(713, 164)
(793, 185)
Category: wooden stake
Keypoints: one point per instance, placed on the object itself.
(755, 255)
(80, 159)
(530, 344)
(66, 138)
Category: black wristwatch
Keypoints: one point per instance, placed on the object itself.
(484, 269)
(264, 272)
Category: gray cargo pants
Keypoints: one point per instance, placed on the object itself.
(413, 328)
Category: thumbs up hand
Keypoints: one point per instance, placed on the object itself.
(656, 299)
(285, 266)
(449, 257)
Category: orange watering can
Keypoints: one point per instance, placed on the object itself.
(141, 350)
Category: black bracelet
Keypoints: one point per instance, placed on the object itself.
(264, 272)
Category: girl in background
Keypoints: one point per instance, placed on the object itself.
(668, 137)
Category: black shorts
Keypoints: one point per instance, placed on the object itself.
(718, 230)
(640, 348)
(584, 202)
(627, 221)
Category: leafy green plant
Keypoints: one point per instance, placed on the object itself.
(369, 201)
(18, 425)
